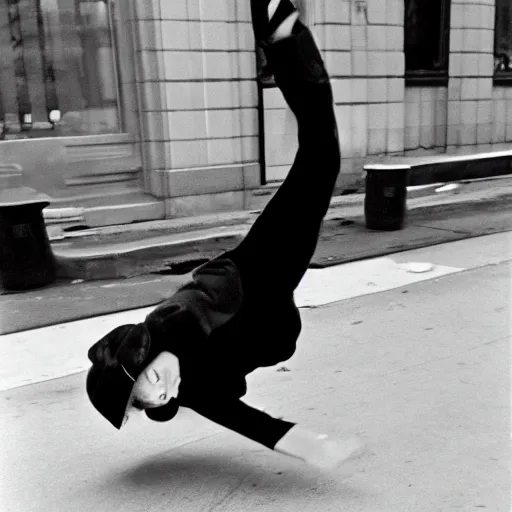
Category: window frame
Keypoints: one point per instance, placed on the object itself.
(432, 77)
(500, 77)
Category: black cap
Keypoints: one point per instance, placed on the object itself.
(118, 359)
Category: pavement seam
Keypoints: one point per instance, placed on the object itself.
(456, 231)
(229, 494)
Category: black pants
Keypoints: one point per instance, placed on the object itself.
(276, 252)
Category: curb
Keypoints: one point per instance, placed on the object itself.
(149, 257)
(234, 219)
(207, 221)
(156, 254)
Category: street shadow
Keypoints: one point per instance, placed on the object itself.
(215, 471)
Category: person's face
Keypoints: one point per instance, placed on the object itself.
(159, 381)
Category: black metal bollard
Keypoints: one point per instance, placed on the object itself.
(26, 257)
(385, 202)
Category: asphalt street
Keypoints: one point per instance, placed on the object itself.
(420, 370)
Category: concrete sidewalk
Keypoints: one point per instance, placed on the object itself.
(129, 250)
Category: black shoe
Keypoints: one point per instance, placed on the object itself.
(264, 27)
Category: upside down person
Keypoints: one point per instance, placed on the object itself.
(238, 313)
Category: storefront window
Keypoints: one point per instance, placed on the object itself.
(503, 40)
(427, 29)
(57, 69)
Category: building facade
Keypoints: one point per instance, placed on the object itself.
(151, 109)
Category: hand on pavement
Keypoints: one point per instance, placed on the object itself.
(319, 450)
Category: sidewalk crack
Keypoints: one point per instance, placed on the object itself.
(229, 494)
(443, 229)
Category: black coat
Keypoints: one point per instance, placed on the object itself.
(219, 336)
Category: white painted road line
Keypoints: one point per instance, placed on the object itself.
(324, 286)
(56, 351)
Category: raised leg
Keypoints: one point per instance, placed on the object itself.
(276, 252)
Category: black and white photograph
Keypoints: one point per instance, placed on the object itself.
(255, 255)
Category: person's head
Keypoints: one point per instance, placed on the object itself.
(129, 371)
(157, 384)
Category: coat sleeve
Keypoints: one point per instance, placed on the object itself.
(245, 420)
(208, 301)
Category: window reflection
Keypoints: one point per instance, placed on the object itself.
(57, 75)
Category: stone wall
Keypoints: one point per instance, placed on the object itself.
(199, 99)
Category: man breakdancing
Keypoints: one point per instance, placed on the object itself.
(238, 313)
